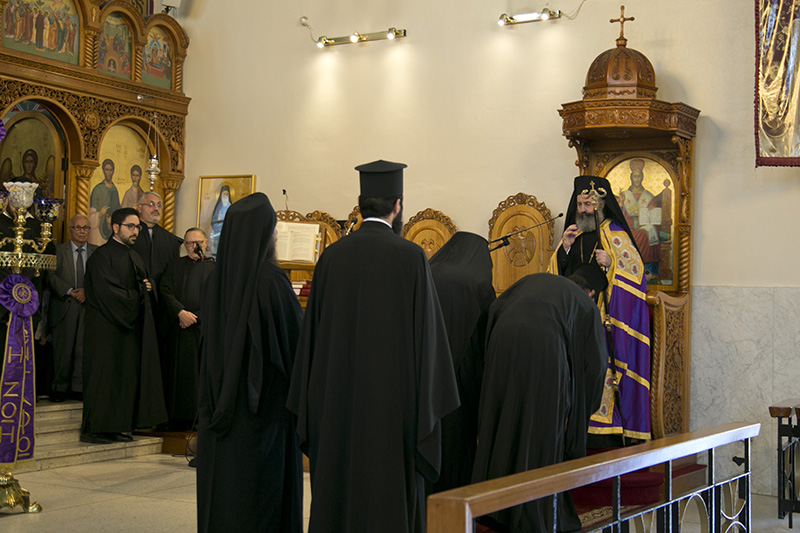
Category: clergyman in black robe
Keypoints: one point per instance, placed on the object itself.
(122, 387)
(545, 362)
(373, 377)
(462, 273)
(181, 293)
(249, 465)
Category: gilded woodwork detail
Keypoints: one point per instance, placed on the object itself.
(83, 173)
(290, 216)
(430, 214)
(168, 221)
(524, 199)
(583, 155)
(674, 373)
(325, 218)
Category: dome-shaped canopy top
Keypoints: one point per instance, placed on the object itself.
(620, 72)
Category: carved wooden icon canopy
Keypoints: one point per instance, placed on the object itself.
(99, 64)
(645, 147)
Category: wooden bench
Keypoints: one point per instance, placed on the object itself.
(788, 414)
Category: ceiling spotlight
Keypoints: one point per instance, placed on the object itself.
(355, 37)
(544, 14)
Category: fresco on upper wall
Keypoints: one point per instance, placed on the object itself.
(157, 59)
(45, 28)
(114, 51)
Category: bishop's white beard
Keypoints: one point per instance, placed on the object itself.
(586, 223)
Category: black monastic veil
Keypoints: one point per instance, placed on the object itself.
(249, 467)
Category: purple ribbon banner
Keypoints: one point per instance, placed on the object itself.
(17, 390)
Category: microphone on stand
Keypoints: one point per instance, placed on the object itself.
(198, 251)
(504, 239)
(353, 222)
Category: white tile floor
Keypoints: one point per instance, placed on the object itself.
(156, 493)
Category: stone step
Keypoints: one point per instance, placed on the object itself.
(57, 431)
(69, 409)
(75, 453)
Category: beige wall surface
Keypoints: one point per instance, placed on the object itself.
(472, 109)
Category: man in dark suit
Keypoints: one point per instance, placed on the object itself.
(65, 314)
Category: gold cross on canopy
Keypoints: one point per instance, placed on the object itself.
(622, 20)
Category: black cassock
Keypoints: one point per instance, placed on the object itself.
(122, 387)
(462, 273)
(182, 289)
(249, 465)
(545, 363)
(372, 381)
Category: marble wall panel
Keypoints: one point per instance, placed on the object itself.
(745, 356)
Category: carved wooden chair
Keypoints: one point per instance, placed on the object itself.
(430, 229)
(333, 231)
(526, 252)
(354, 214)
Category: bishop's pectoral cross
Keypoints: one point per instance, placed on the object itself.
(621, 41)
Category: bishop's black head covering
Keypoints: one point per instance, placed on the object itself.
(230, 306)
(381, 179)
(611, 209)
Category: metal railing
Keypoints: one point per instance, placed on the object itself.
(454, 511)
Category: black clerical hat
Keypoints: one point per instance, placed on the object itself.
(593, 275)
(381, 179)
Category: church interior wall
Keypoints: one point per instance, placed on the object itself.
(472, 109)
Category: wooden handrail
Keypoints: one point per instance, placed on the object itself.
(454, 510)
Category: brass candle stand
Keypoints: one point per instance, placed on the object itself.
(20, 199)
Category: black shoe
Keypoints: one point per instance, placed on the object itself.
(95, 438)
(118, 437)
(58, 396)
(78, 396)
(193, 462)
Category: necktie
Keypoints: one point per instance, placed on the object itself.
(79, 269)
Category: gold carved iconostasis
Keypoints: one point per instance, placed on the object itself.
(90, 90)
(645, 148)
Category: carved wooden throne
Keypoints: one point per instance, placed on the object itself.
(529, 250)
(430, 229)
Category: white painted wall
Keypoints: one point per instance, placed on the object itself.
(472, 109)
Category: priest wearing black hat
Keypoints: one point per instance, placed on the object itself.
(622, 304)
(543, 379)
(373, 376)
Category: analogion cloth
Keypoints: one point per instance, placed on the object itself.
(17, 390)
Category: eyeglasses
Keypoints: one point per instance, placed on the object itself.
(81, 228)
(130, 227)
(193, 243)
(153, 204)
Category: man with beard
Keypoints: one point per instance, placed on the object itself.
(373, 377)
(122, 387)
(545, 363)
(625, 413)
(249, 466)
(181, 292)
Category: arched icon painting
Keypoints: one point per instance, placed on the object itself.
(646, 193)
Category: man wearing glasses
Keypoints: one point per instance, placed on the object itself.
(157, 247)
(122, 387)
(181, 289)
(66, 311)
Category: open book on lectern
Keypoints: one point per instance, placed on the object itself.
(298, 242)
